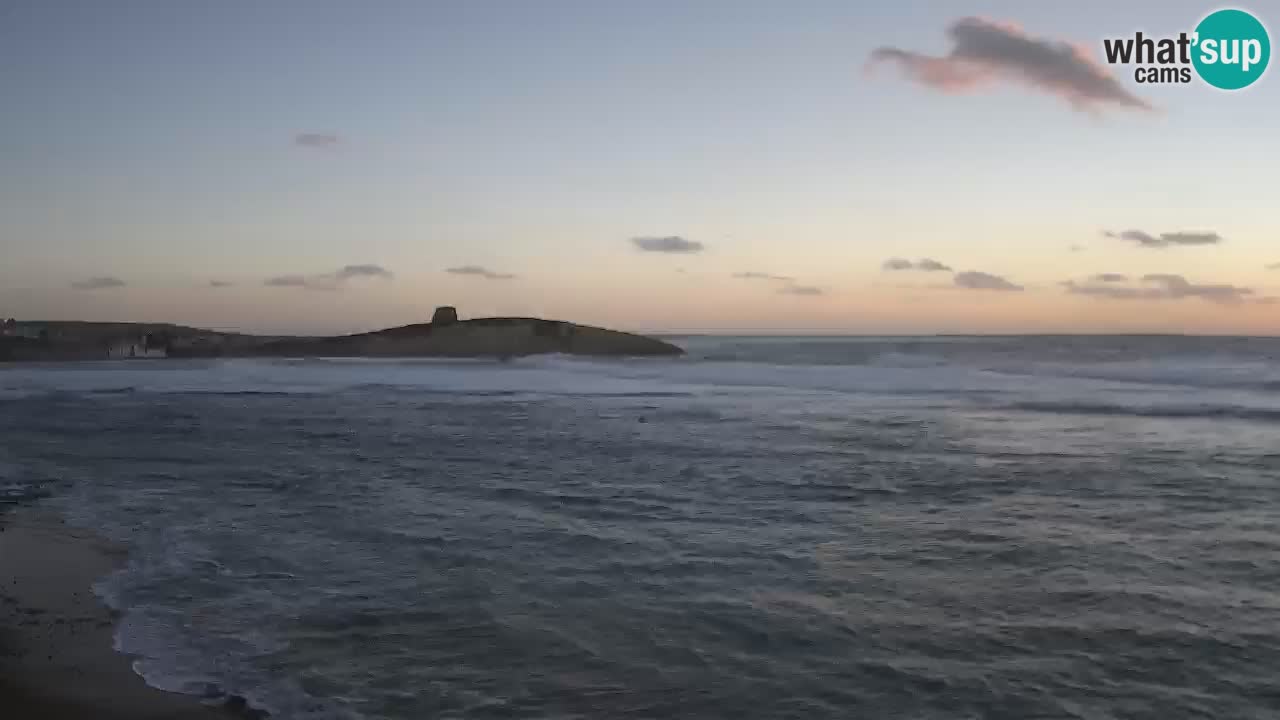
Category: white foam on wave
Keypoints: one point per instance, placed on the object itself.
(171, 654)
(1190, 372)
(565, 376)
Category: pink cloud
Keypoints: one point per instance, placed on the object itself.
(986, 52)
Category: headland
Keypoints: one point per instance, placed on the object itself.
(444, 336)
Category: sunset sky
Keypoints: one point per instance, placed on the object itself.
(674, 165)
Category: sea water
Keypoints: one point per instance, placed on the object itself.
(767, 528)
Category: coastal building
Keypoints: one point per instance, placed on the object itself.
(145, 346)
(32, 330)
(9, 328)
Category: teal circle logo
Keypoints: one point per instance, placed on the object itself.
(1231, 49)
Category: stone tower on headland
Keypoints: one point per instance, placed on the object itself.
(444, 315)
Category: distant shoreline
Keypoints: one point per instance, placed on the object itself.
(444, 336)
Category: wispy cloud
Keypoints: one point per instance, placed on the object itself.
(669, 244)
(924, 264)
(1274, 266)
(1164, 240)
(348, 272)
(1110, 278)
(220, 284)
(336, 280)
(974, 280)
(479, 271)
(1178, 287)
(318, 141)
(762, 276)
(1162, 286)
(987, 52)
(102, 282)
(808, 290)
(788, 285)
(929, 265)
(300, 281)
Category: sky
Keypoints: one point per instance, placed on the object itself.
(673, 165)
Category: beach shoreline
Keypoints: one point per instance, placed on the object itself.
(57, 655)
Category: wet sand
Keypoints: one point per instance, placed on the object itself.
(57, 660)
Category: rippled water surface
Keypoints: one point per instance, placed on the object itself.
(769, 528)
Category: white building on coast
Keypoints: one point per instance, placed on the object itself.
(139, 347)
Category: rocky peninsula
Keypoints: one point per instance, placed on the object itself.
(444, 336)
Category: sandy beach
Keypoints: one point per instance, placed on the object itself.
(56, 654)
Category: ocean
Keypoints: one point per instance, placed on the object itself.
(881, 528)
